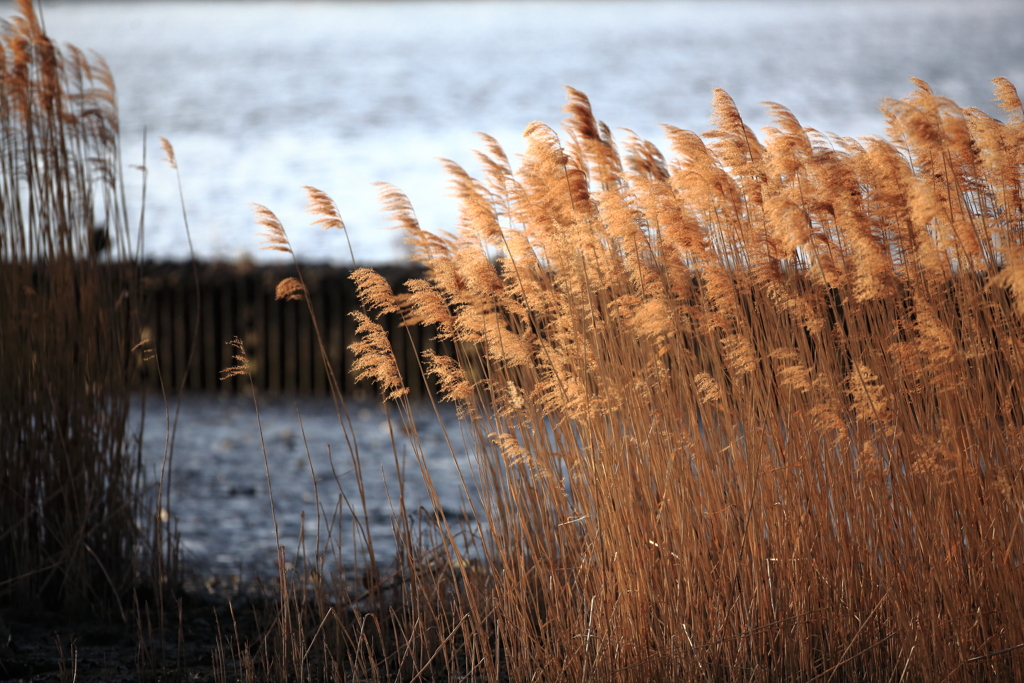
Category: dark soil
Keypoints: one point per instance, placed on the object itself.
(37, 645)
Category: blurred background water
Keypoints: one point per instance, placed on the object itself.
(220, 497)
(260, 98)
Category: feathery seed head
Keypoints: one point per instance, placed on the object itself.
(1008, 99)
(274, 236)
(324, 208)
(374, 291)
(290, 289)
(451, 378)
(707, 388)
(375, 359)
(241, 366)
(168, 149)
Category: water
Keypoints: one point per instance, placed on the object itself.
(220, 496)
(262, 98)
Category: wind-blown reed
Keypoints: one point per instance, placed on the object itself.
(751, 412)
(68, 535)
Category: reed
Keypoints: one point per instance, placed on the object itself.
(751, 412)
(68, 479)
(334, 613)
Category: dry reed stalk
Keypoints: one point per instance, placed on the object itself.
(750, 413)
(68, 481)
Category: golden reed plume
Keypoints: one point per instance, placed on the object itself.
(748, 412)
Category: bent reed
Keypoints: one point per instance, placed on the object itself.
(748, 413)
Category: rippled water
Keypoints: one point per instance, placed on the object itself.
(260, 98)
(219, 488)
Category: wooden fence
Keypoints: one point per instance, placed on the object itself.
(280, 341)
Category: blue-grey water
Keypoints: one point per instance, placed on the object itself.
(260, 98)
(220, 493)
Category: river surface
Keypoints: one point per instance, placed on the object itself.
(261, 98)
(220, 496)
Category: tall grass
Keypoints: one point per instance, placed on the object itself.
(68, 536)
(751, 412)
(337, 614)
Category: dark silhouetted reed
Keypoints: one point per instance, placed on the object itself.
(68, 499)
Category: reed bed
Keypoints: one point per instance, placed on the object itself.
(747, 412)
(68, 479)
(750, 412)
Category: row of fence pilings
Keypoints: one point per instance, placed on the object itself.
(239, 300)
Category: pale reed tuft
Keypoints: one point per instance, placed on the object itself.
(739, 354)
(1008, 99)
(451, 379)
(168, 149)
(274, 236)
(327, 215)
(478, 217)
(241, 366)
(324, 208)
(426, 306)
(290, 289)
(398, 206)
(708, 388)
(374, 292)
(870, 399)
(1012, 278)
(374, 358)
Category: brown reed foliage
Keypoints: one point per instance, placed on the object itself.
(335, 613)
(68, 481)
(748, 413)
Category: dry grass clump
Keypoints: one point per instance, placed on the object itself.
(751, 412)
(68, 534)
